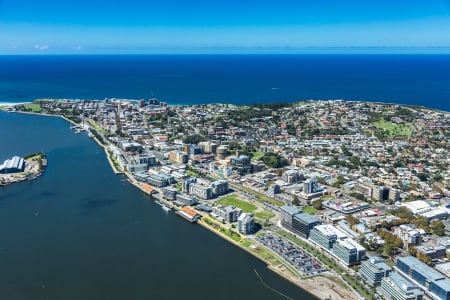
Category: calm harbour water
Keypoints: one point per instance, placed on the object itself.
(81, 232)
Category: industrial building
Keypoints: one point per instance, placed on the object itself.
(13, 165)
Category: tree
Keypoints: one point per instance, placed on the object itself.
(296, 200)
(389, 248)
(274, 160)
(193, 139)
(422, 176)
(317, 204)
(351, 220)
(437, 227)
(413, 251)
(424, 258)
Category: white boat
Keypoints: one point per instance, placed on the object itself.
(165, 207)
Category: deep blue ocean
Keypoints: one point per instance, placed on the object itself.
(243, 79)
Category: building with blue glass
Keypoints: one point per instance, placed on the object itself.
(429, 279)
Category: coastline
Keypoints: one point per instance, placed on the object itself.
(319, 286)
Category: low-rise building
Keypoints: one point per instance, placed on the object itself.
(429, 279)
(395, 287)
(200, 191)
(287, 215)
(160, 180)
(303, 223)
(185, 200)
(219, 187)
(169, 193)
(373, 270)
(409, 234)
(349, 251)
(179, 156)
(437, 252)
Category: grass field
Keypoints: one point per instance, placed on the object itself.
(239, 203)
(392, 129)
(257, 155)
(33, 107)
(310, 210)
(264, 214)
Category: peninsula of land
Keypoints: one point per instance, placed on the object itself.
(18, 169)
(345, 199)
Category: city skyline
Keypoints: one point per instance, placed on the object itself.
(54, 27)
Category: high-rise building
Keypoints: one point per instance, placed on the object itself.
(178, 156)
(310, 186)
(394, 195)
(194, 150)
(246, 223)
(186, 182)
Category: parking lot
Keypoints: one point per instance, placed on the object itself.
(301, 261)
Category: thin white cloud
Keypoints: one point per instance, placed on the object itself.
(41, 47)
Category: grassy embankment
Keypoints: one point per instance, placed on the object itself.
(251, 246)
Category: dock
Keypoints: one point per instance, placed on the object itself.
(189, 214)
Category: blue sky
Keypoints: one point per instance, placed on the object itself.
(119, 26)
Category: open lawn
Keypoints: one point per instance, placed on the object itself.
(234, 200)
(257, 155)
(263, 215)
(392, 129)
(310, 210)
(33, 107)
